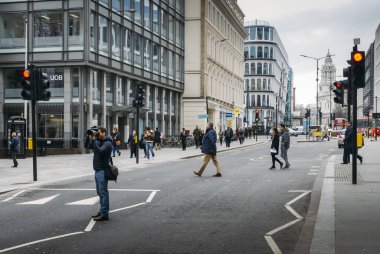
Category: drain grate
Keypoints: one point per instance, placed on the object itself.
(343, 173)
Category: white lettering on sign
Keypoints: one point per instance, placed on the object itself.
(56, 77)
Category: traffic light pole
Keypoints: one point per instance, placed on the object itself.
(34, 141)
(354, 127)
(137, 133)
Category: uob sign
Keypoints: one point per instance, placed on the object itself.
(56, 77)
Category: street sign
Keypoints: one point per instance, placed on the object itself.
(228, 114)
(237, 111)
(376, 115)
(202, 116)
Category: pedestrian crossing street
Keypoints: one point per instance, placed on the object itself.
(75, 197)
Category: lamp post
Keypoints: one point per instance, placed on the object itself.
(317, 60)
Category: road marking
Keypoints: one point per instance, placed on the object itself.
(41, 201)
(90, 226)
(151, 196)
(144, 190)
(15, 195)
(268, 236)
(314, 170)
(39, 241)
(315, 166)
(252, 159)
(227, 180)
(88, 201)
(128, 207)
(147, 179)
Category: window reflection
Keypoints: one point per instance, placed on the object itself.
(155, 18)
(76, 30)
(127, 46)
(137, 50)
(147, 14)
(116, 41)
(155, 58)
(48, 30)
(147, 53)
(12, 30)
(103, 35)
(138, 11)
(50, 126)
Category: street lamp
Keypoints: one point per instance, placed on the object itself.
(317, 60)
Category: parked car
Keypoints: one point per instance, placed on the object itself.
(293, 132)
(341, 138)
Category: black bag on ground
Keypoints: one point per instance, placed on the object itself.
(112, 172)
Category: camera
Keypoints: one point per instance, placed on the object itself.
(92, 131)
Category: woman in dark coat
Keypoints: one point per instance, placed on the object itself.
(275, 145)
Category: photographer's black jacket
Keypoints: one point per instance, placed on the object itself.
(102, 153)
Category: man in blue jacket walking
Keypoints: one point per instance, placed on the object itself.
(15, 142)
(209, 149)
(102, 146)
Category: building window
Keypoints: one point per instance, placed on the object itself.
(247, 84)
(76, 30)
(147, 14)
(253, 102)
(177, 68)
(75, 82)
(164, 24)
(259, 84)
(171, 64)
(271, 34)
(258, 100)
(177, 33)
(50, 126)
(246, 52)
(120, 91)
(259, 68)
(12, 31)
(155, 19)
(259, 52)
(253, 85)
(253, 69)
(138, 11)
(116, 5)
(263, 100)
(266, 33)
(128, 46)
(137, 55)
(246, 69)
(116, 41)
(164, 61)
(171, 28)
(253, 52)
(92, 31)
(48, 30)
(266, 52)
(109, 90)
(147, 54)
(103, 36)
(95, 89)
(56, 81)
(268, 84)
(75, 126)
(265, 72)
(158, 100)
(104, 2)
(271, 53)
(155, 58)
(259, 33)
(270, 68)
(12, 79)
(264, 84)
(127, 8)
(252, 33)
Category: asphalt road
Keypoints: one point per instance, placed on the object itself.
(164, 208)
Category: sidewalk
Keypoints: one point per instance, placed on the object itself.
(55, 168)
(355, 228)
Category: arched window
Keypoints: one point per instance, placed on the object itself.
(259, 84)
(253, 69)
(246, 69)
(265, 68)
(253, 85)
(259, 68)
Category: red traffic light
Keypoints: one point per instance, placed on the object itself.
(358, 56)
(25, 73)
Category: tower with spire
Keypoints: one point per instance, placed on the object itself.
(326, 95)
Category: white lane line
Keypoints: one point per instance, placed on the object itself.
(39, 241)
(15, 195)
(91, 189)
(41, 201)
(151, 196)
(128, 207)
(268, 236)
(314, 170)
(88, 201)
(90, 226)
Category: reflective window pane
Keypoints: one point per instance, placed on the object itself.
(147, 54)
(147, 14)
(116, 41)
(127, 7)
(138, 11)
(259, 33)
(109, 90)
(171, 28)
(76, 34)
(128, 46)
(92, 31)
(48, 30)
(103, 36)
(12, 30)
(50, 126)
(252, 33)
(155, 18)
(137, 55)
(164, 24)
(116, 5)
(164, 61)
(155, 58)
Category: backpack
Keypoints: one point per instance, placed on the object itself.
(112, 172)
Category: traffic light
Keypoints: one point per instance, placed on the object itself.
(358, 69)
(140, 98)
(43, 83)
(27, 84)
(339, 92)
(257, 117)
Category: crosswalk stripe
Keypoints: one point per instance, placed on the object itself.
(88, 201)
(41, 201)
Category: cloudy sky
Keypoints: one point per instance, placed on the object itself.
(311, 28)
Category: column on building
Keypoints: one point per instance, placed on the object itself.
(177, 113)
(170, 128)
(127, 102)
(103, 99)
(90, 92)
(163, 111)
(2, 99)
(147, 93)
(67, 117)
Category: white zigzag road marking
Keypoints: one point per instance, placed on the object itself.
(268, 236)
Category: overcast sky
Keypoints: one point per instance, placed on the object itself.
(311, 28)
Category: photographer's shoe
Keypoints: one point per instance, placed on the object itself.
(101, 218)
(96, 215)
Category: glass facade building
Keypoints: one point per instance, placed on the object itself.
(96, 52)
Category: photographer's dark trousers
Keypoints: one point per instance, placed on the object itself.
(102, 191)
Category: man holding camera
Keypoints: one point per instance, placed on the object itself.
(102, 147)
